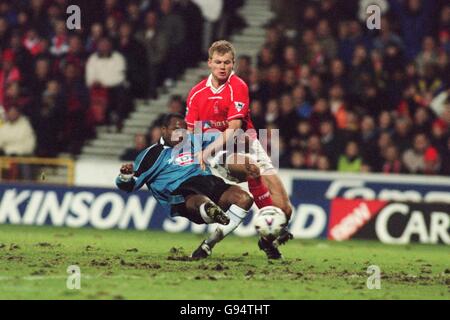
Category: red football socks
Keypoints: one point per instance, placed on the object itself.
(260, 192)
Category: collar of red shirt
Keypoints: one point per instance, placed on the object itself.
(216, 90)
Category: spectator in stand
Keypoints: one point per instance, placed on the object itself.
(321, 112)
(331, 143)
(439, 133)
(59, 42)
(385, 122)
(415, 17)
(302, 106)
(17, 137)
(155, 135)
(75, 104)
(257, 114)
(49, 121)
(106, 69)
(428, 55)
(323, 163)
(414, 158)
(193, 21)
(422, 120)
(173, 26)
(9, 73)
(33, 42)
(313, 151)
(368, 139)
(297, 160)
(4, 28)
(97, 33)
(302, 134)
(402, 134)
(432, 161)
(326, 39)
(272, 112)
(243, 67)
(446, 158)
(351, 160)
(40, 77)
(288, 118)
(140, 143)
(14, 96)
(156, 44)
(133, 14)
(255, 87)
(273, 83)
(387, 36)
(392, 162)
(266, 59)
(75, 55)
(136, 60)
(23, 58)
(176, 105)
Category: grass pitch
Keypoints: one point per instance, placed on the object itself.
(118, 264)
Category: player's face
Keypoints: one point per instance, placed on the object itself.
(174, 132)
(221, 66)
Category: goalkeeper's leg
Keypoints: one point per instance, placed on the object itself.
(237, 202)
(201, 209)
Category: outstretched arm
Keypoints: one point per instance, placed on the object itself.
(126, 180)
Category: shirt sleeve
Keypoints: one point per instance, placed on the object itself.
(144, 170)
(239, 107)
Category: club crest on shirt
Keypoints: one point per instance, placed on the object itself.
(184, 159)
(239, 105)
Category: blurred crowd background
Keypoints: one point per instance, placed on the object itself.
(344, 97)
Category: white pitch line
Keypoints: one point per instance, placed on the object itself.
(37, 278)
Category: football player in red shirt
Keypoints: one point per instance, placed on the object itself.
(221, 102)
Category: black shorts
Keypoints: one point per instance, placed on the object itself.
(210, 186)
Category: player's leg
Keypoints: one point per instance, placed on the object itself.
(279, 194)
(201, 209)
(270, 178)
(237, 202)
(279, 199)
(244, 168)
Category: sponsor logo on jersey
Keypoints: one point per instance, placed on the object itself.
(214, 124)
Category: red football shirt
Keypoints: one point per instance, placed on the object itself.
(215, 107)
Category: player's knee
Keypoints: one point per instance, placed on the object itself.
(242, 199)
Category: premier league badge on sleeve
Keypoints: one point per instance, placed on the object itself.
(239, 105)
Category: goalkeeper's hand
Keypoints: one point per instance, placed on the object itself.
(126, 172)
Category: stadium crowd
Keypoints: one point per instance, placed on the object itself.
(344, 97)
(61, 83)
(351, 99)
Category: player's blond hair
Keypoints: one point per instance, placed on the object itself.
(221, 47)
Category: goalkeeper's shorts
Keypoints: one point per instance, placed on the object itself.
(210, 186)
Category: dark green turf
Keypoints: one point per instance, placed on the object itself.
(118, 264)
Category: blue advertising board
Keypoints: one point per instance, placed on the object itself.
(313, 197)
